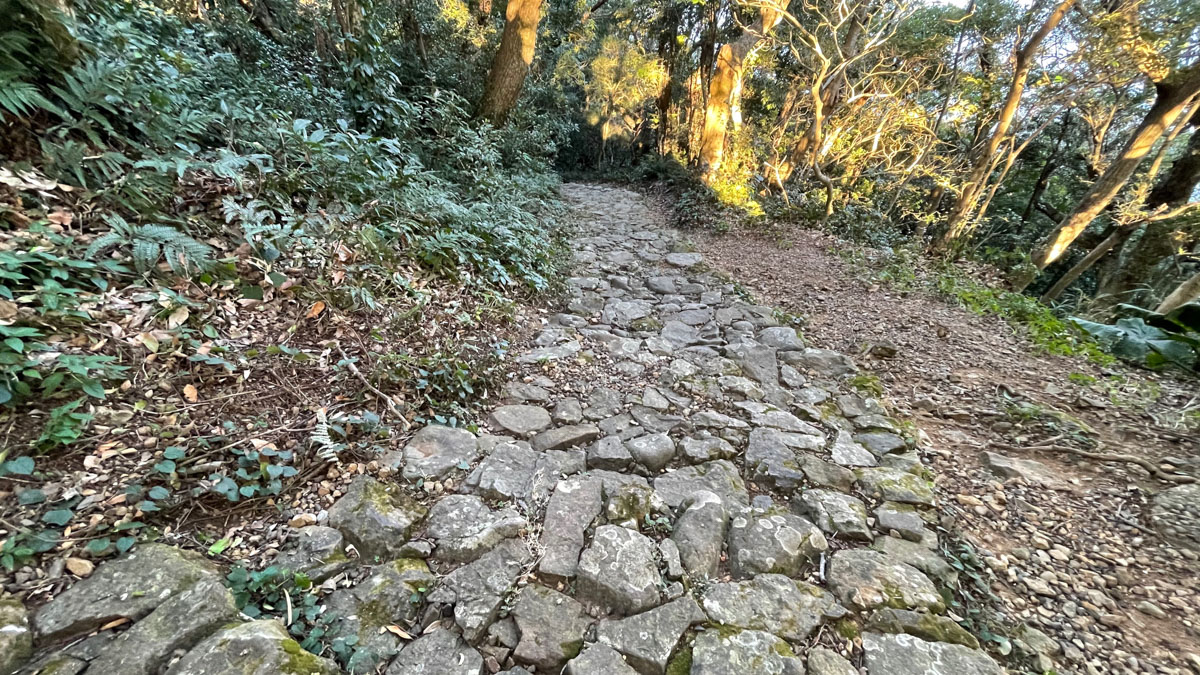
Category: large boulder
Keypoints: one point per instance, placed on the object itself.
(619, 571)
(127, 588)
(770, 602)
(772, 541)
(254, 648)
(377, 518)
(863, 580)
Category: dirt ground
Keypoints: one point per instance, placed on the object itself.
(1071, 553)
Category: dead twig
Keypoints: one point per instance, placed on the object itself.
(1102, 457)
(372, 388)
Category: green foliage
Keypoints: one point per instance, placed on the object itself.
(65, 425)
(287, 596)
(147, 244)
(260, 473)
(1132, 339)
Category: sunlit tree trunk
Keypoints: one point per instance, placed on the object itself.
(958, 222)
(725, 85)
(1171, 100)
(512, 60)
(1184, 293)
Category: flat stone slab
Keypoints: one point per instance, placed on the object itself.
(599, 659)
(649, 639)
(920, 556)
(908, 655)
(521, 420)
(720, 477)
(561, 438)
(573, 506)
(836, 513)
(377, 518)
(435, 451)
(863, 579)
(895, 485)
(683, 259)
(477, 590)
(769, 602)
(699, 533)
(224, 653)
(848, 452)
(723, 652)
(551, 626)
(923, 625)
(441, 652)
(772, 542)
(822, 661)
(464, 528)
(129, 587)
(618, 571)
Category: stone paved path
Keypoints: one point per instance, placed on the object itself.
(676, 483)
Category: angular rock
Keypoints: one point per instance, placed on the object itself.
(648, 639)
(699, 534)
(130, 587)
(1176, 514)
(881, 443)
(318, 552)
(551, 626)
(723, 652)
(574, 505)
(848, 452)
(908, 655)
(441, 652)
(823, 362)
(903, 518)
(1034, 473)
(602, 402)
(919, 556)
(699, 450)
(567, 411)
(923, 625)
(894, 485)
(435, 451)
(464, 528)
(477, 590)
(782, 338)
(274, 651)
(825, 474)
(177, 624)
(364, 611)
(769, 602)
(771, 462)
(720, 477)
(523, 391)
(623, 313)
(561, 438)
(618, 571)
(757, 361)
(772, 542)
(683, 259)
(377, 518)
(679, 335)
(522, 420)
(513, 471)
(863, 579)
(822, 661)
(715, 420)
(599, 659)
(610, 454)
(836, 513)
(652, 451)
(853, 405)
(16, 640)
(543, 354)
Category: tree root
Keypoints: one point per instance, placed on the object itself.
(1146, 464)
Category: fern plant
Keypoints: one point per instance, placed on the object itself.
(147, 244)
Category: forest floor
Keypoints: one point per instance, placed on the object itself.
(1075, 553)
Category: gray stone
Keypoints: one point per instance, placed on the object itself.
(1176, 514)
(848, 452)
(477, 590)
(908, 461)
(903, 518)
(668, 551)
(435, 451)
(551, 626)
(599, 659)
(523, 391)
(894, 485)
(921, 624)
(772, 541)
(440, 652)
(655, 422)
(318, 552)
(740, 387)
(363, 611)
(574, 505)
(908, 655)
(782, 338)
(522, 420)
(679, 335)
(1034, 473)
(722, 652)
(770, 602)
(823, 362)
(177, 624)
(567, 411)
(699, 534)
(464, 528)
(609, 453)
(16, 639)
(631, 503)
(803, 435)
(622, 313)
(863, 579)
(601, 403)
(716, 420)
(822, 661)
(662, 285)
(771, 462)
(560, 438)
(699, 450)
(825, 474)
(696, 316)
(618, 571)
(683, 259)
(648, 639)
(513, 471)
(853, 405)
(651, 398)
(652, 451)
(377, 518)
(225, 653)
(881, 443)
(130, 587)
(756, 361)
(835, 513)
(876, 423)
(720, 477)
(919, 556)
(555, 353)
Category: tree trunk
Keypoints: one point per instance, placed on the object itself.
(512, 60)
(726, 83)
(1043, 179)
(1119, 235)
(957, 224)
(668, 51)
(1171, 100)
(1184, 293)
(1177, 186)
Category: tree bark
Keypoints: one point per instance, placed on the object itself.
(1177, 186)
(1171, 100)
(512, 60)
(1184, 293)
(957, 224)
(1119, 235)
(1043, 179)
(726, 83)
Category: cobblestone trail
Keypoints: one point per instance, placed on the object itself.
(675, 483)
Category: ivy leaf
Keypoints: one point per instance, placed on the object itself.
(32, 496)
(125, 543)
(92, 388)
(159, 492)
(21, 466)
(99, 547)
(148, 506)
(174, 452)
(165, 466)
(58, 517)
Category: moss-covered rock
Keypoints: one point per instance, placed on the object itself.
(254, 648)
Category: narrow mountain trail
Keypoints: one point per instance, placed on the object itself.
(673, 481)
